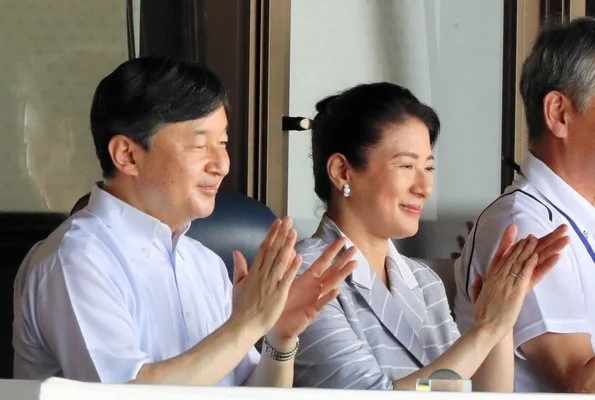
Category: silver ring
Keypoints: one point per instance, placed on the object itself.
(513, 275)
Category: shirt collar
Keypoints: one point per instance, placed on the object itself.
(363, 274)
(127, 220)
(558, 192)
(404, 269)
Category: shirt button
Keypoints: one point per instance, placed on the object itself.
(187, 314)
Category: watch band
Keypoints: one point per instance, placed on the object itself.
(276, 355)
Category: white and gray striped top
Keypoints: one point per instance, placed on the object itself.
(372, 335)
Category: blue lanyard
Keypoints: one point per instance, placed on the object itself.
(578, 232)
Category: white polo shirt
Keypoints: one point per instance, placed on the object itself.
(110, 291)
(564, 301)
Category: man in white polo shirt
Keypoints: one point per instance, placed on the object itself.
(118, 293)
(555, 185)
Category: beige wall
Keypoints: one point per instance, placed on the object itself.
(52, 55)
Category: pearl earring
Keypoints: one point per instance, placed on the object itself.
(346, 190)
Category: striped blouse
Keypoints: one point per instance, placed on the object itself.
(372, 335)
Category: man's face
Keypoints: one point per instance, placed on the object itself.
(180, 174)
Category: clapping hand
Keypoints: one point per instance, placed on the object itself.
(268, 297)
(259, 294)
(513, 272)
(314, 289)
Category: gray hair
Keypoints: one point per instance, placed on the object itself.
(562, 59)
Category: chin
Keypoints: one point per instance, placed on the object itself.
(405, 232)
(203, 210)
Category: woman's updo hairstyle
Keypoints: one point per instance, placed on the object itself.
(352, 122)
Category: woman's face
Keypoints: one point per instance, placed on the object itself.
(388, 195)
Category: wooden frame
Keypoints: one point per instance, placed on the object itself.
(274, 103)
(247, 44)
(508, 91)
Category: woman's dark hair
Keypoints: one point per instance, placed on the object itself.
(351, 122)
(142, 94)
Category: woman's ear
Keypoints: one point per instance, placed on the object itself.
(557, 111)
(338, 168)
(123, 152)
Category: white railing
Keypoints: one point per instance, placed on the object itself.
(63, 389)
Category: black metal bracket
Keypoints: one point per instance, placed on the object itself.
(295, 123)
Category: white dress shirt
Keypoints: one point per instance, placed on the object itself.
(564, 301)
(112, 289)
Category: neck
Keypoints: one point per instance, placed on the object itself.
(128, 193)
(576, 169)
(374, 248)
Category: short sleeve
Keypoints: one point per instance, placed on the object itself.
(83, 320)
(555, 304)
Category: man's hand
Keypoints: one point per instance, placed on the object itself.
(260, 294)
(312, 291)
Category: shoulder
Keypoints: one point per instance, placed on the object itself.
(77, 235)
(77, 248)
(523, 206)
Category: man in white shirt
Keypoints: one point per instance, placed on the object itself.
(118, 293)
(553, 336)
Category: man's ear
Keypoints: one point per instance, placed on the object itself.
(557, 111)
(338, 169)
(124, 153)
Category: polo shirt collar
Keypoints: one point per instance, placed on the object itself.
(559, 193)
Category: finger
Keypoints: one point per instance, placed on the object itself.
(276, 246)
(526, 272)
(284, 257)
(337, 264)
(507, 257)
(325, 299)
(552, 237)
(288, 278)
(543, 267)
(240, 267)
(528, 251)
(476, 287)
(509, 260)
(333, 276)
(553, 248)
(507, 241)
(327, 257)
(266, 243)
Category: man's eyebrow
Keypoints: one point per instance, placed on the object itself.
(204, 131)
